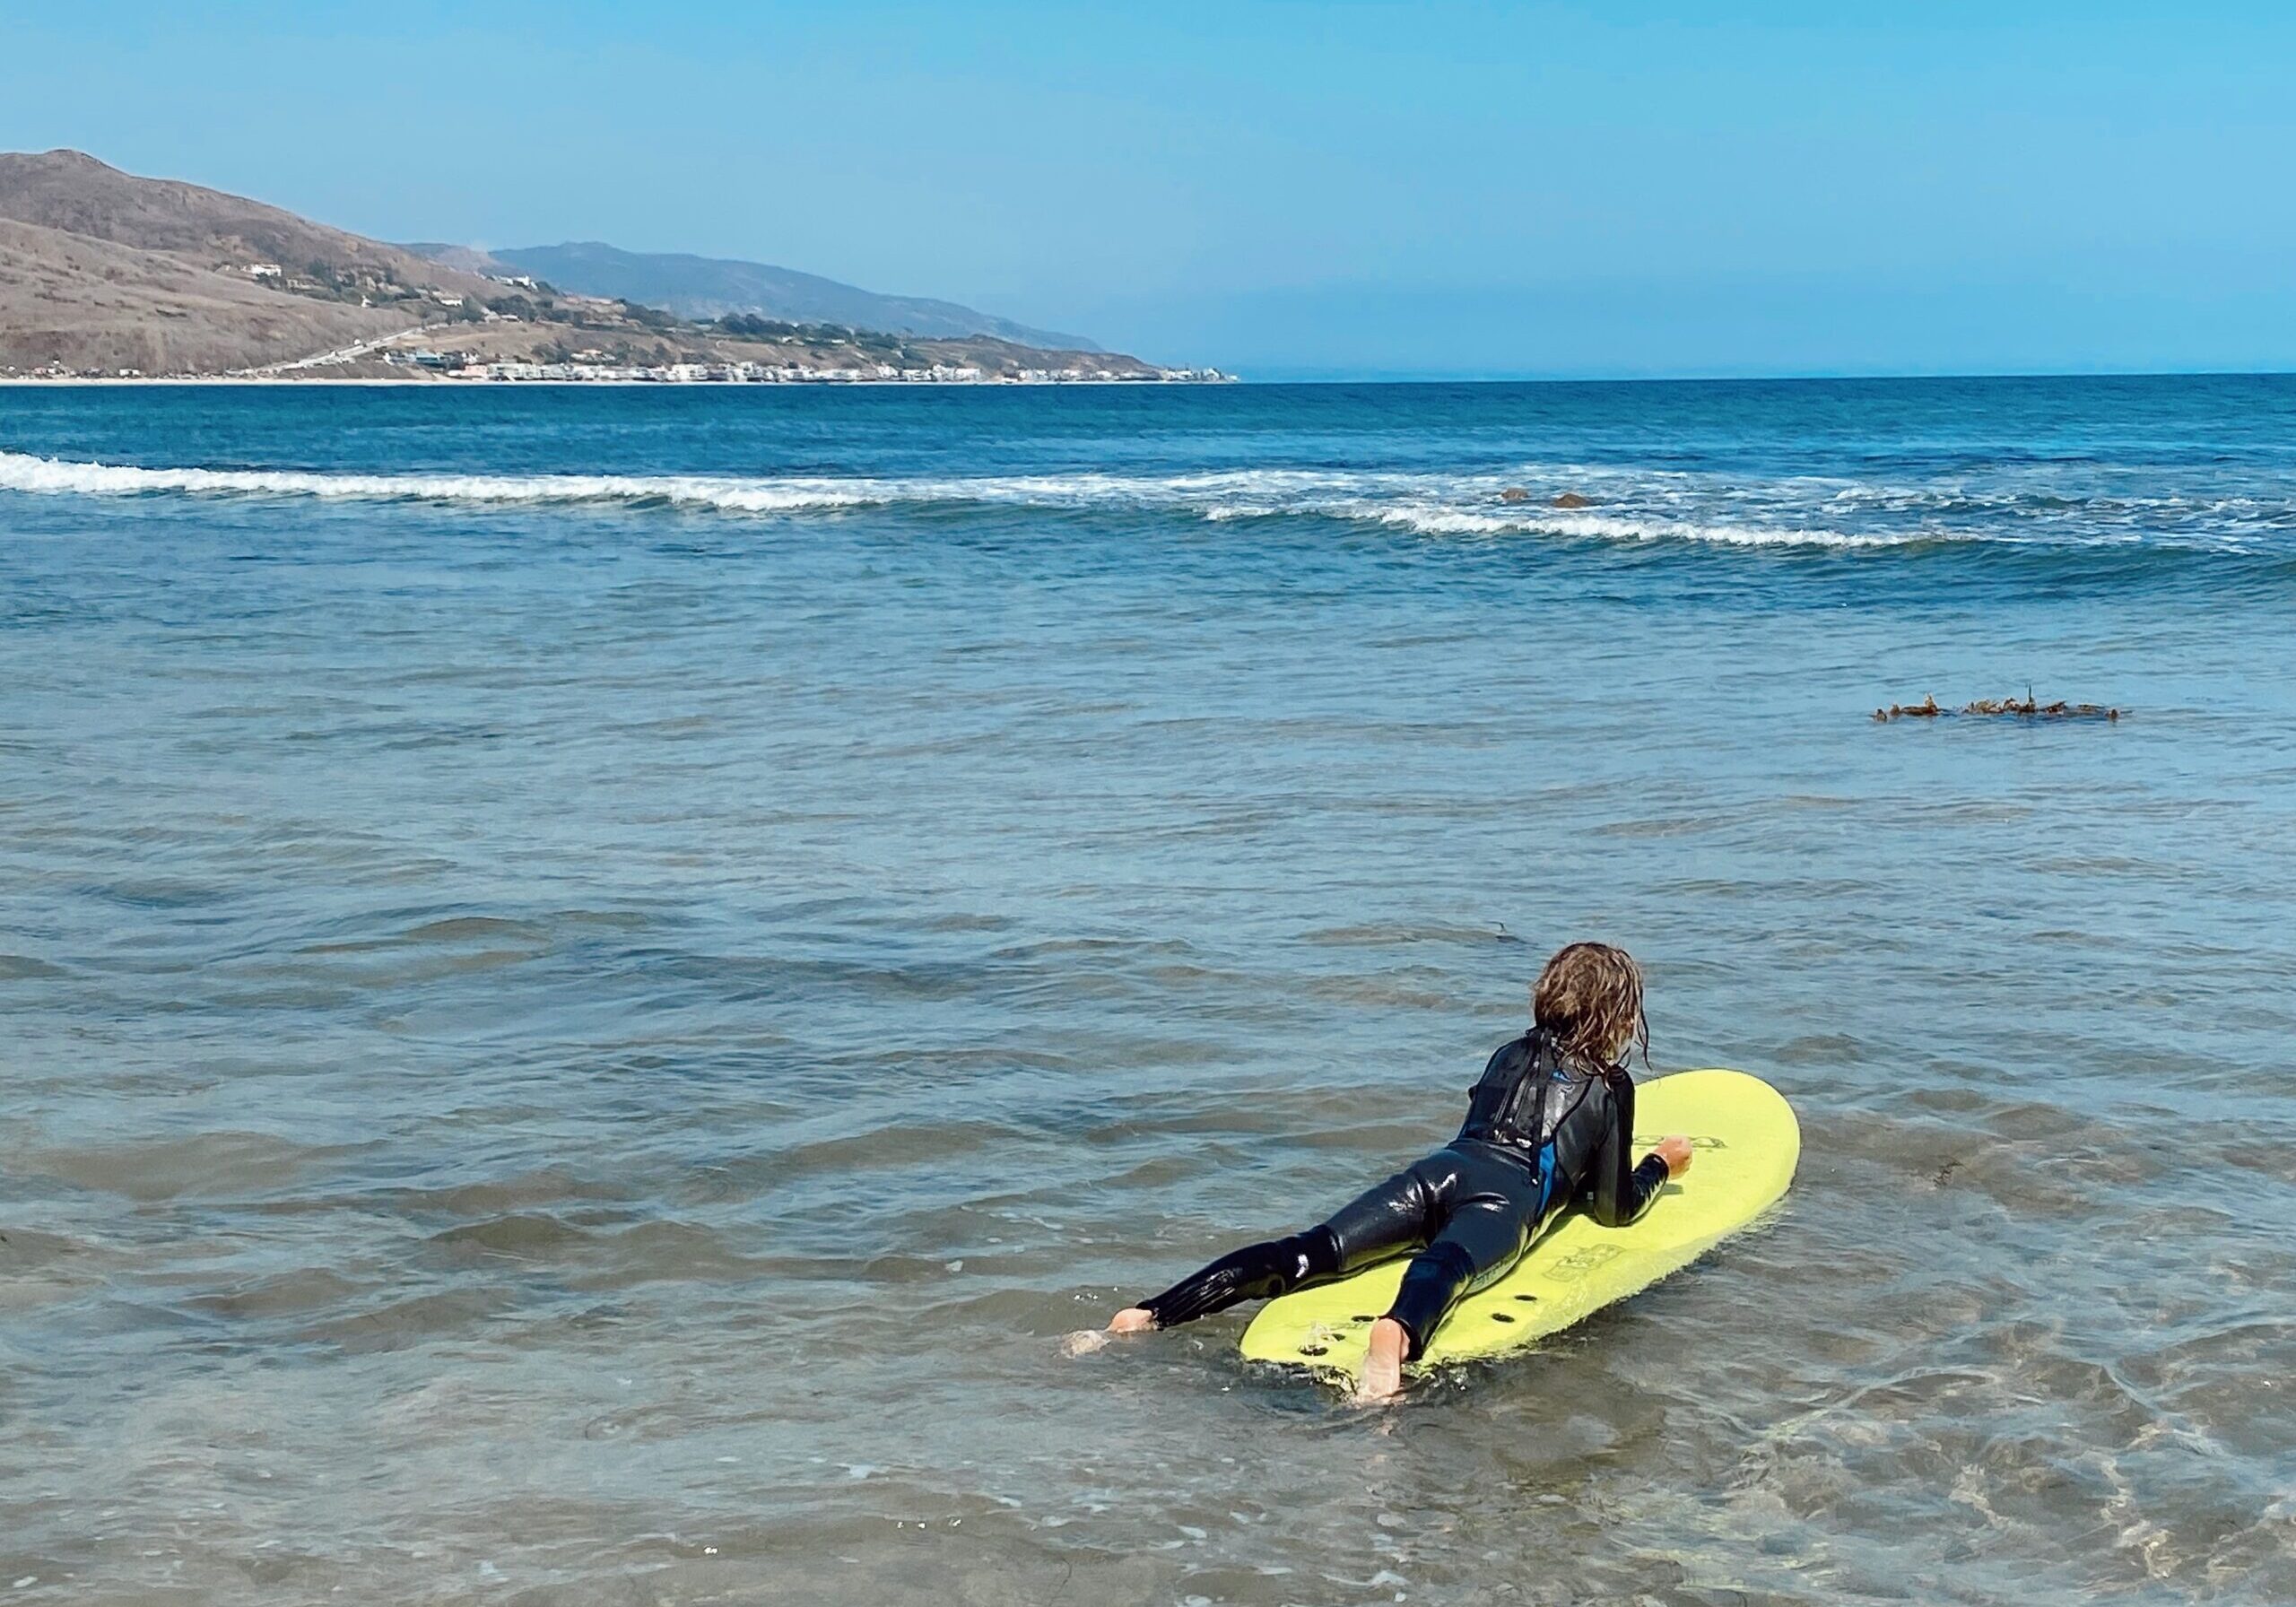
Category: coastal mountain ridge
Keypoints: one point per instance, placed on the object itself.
(106, 275)
(72, 191)
(100, 270)
(711, 287)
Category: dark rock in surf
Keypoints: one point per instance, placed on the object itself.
(2026, 709)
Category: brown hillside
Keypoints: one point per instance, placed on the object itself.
(102, 271)
(87, 303)
(73, 192)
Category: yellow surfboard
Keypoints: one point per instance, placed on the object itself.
(1746, 1142)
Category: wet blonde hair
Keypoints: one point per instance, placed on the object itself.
(1588, 999)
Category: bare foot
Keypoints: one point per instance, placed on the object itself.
(1132, 1319)
(1383, 1365)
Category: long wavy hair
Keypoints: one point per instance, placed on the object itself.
(1588, 1001)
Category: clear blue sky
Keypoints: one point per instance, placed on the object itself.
(1290, 189)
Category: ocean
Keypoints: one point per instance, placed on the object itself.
(594, 977)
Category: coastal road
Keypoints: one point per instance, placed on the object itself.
(341, 355)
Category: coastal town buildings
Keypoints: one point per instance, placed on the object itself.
(595, 366)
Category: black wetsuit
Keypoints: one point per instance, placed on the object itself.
(1541, 1132)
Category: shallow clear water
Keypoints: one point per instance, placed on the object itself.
(593, 979)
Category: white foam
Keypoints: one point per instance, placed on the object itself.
(1634, 505)
(1432, 518)
(58, 477)
(1254, 490)
(1607, 528)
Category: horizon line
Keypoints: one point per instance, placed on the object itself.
(1293, 376)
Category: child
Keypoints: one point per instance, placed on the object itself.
(1550, 1125)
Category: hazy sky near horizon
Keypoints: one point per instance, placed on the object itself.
(1282, 188)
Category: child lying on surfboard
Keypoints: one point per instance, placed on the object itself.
(1550, 1124)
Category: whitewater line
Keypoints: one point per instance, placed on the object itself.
(1466, 504)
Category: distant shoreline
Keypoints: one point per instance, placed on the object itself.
(445, 384)
(1317, 378)
(111, 276)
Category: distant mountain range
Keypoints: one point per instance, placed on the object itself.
(100, 270)
(106, 274)
(710, 287)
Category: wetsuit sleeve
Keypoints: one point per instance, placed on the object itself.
(1617, 1191)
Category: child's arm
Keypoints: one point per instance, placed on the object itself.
(1617, 1192)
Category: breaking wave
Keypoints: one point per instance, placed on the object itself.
(1621, 505)
(54, 476)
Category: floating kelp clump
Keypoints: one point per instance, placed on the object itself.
(2007, 708)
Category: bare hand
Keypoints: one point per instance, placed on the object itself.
(1676, 1152)
(1132, 1319)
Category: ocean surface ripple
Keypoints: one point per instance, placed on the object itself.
(596, 977)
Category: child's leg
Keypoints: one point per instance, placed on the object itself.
(1486, 1235)
(1381, 1222)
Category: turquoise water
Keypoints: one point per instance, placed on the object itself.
(594, 977)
